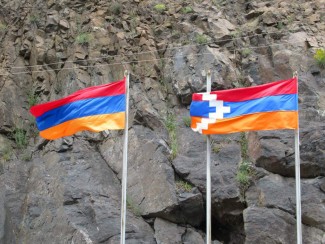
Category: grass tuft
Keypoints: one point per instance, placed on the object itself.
(160, 7)
(171, 125)
(320, 57)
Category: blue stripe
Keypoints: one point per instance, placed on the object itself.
(81, 108)
(264, 104)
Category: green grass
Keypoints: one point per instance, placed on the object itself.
(160, 7)
(171, 125)
(187, 121)
(20, 137)
(320, 57)
(183, 186)
(201, 39)
(84, 38)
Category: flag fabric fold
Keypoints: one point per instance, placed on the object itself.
(270, 106)
(94, 108)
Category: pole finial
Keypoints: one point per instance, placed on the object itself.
(126, 72)
(209, 72)
(295, 74)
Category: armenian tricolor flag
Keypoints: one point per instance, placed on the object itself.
(94, 108)
(271, 106)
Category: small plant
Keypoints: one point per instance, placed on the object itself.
(84, 38)
(187, 121)
(6, 154)
(32, 99)
(280, 25)
(183, 186)
(244, 146)
(3, 27)
(160, 7)
(34, 19)
(290, 19)
(116, 8)
(201, 39)
(320, 57)
(133, 207)
(236, 34)
(246, 52)
(171, 128)
(216, 148)
(20, 137)
(244, 175)
(187, 10)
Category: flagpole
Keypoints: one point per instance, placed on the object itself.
(298, 185)
(125, 158)
(208, 186)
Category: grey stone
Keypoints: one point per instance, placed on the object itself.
(274, 151)
(280, 227)
(191, 236)
(167, 232)
(275, 191)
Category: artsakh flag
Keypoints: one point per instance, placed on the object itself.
(271, 106)
(94, 108)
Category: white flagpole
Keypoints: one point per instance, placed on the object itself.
(125, 159)
(208, 187)
(298, 187)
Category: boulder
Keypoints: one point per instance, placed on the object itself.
(72, 195)
(275, 191)
(280, 227)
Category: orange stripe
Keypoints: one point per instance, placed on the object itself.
(95, 123)
(258, 121)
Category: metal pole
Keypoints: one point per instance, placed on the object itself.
(208, 187)
(125, 158)
(298, 185)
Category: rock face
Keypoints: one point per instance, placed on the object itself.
(69, 190)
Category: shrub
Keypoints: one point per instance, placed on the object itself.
(201, 39)
(244, 176)
(20, 137)
(320, 57)
(116, 8)
(160, 7)
(280, 25)
(187, 10)
(32, 99)
(246, 52)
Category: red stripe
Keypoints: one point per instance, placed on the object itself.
(242, 94)
(111, 89)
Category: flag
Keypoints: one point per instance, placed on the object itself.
(271, 106)
(94, 108)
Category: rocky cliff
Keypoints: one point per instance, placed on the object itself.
(69, 190)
